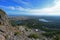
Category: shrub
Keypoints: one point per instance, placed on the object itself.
(26, 29)
(48, 34)
(6, 36)
(33, 36)
(16, 33)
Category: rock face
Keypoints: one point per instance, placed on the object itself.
(2, 37)
(3, 18)
(4, 24)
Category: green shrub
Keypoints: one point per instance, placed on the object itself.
(48, 34)
(16, 33)
(33, 36)
(57, 37)
(26, 29)
(6, 36)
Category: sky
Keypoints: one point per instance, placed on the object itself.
(31, 7)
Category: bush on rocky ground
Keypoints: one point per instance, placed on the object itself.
(33, 36)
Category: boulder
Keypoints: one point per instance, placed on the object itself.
(2, 37)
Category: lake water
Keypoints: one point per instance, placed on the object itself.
(44, 20)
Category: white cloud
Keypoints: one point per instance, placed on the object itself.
(55, 10)
(11, 7)
(15, 8)
(21, 1)
(18, 8)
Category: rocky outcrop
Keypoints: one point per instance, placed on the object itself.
(3, 18)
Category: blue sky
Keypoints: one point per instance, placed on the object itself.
(30, 7)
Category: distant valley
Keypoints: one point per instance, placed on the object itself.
(47, 21)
